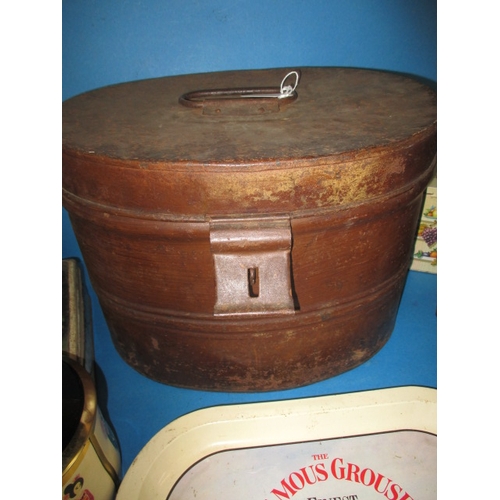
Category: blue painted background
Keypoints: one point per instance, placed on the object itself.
(110, 41)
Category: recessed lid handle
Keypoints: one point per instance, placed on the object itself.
(243, 101)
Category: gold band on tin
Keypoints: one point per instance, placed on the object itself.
(78, 447)
(73, 466)
(104, 461)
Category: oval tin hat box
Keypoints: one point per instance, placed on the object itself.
(249, 230)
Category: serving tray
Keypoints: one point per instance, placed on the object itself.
(367, 445)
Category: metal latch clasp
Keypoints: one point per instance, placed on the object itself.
(252, 265)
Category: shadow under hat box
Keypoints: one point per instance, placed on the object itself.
(247, 236)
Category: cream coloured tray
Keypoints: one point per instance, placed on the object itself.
(367, 445)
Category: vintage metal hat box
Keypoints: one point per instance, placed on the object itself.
(249, 230)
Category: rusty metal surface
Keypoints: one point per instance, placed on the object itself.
(249, 252)
(252, 265)
(338, 110)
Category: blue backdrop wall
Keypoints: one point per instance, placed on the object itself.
(111, 41)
